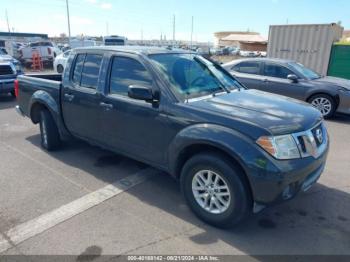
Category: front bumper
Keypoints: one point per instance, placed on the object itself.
(7, 86)
(344, 103)
(273, 181)
(302, 174)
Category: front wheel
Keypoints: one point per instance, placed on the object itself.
(325, 104)
(50, 138)
(60, 69)
(215, 190)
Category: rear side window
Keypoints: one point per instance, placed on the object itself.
(274, 70)
(125, 72)
(91, 71)
(248, 68)
(78, 67)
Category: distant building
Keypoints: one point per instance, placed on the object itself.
(246, 42)
(220, 38)
(21, 37)
(346, 35)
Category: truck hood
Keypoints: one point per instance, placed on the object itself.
(336, 81)
(277, 114)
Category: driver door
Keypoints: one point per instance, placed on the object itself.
(276, 81)
(131, 126)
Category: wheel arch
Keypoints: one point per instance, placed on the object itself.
(335, 96)
(231, 158)
(42, 100)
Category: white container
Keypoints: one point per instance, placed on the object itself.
(310, 45)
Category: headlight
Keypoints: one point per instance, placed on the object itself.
(281, 147)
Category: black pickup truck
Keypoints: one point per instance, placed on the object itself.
(234, 150)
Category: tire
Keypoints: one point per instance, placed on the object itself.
(50, 138)
(238, 203)
(325, 104)
(60, 69)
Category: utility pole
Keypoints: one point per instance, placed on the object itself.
(7, 20)
(141, 36)
(68, 19)
(107, 28)
(192, 32)
(174, 23)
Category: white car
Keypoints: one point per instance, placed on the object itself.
(248, 54)
(47, 51)
(60, 62)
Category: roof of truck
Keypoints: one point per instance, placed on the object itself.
(146, 50)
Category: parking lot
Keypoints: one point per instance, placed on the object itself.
(52, 203)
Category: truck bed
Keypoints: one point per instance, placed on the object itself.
(40, 83)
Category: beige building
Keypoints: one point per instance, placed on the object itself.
(346, 35)
(220, 42)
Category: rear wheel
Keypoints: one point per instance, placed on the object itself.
(324, 103)
(215, 190)
(50, 138)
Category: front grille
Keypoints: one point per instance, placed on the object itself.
(312, 142)
(6, 70)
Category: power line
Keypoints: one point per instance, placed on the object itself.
(192, 32)
(174, 24)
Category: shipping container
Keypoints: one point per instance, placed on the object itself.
(310, 45)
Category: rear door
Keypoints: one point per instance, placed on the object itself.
(80, 97)
(276, 81)
(248, 73)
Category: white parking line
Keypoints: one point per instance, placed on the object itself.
(46, 221)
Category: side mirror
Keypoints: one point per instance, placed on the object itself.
(293, 78)
(140, 93)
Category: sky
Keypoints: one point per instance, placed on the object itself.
(151, 18)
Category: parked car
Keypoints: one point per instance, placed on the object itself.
(47, 51)
(234, 151)
(235, 51)
(248, 54)
(289, 78)
(5, 57)
(216, 51)
(8, 75)
(60, 61)
(77, 43)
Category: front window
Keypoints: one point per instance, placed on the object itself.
(306, 72)
(193, 76)
(274, 70)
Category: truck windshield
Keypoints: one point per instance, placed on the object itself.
(192, 76)
(306, 72)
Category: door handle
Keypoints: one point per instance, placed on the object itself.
(69, 97)
(266, 80)
(106, 106)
